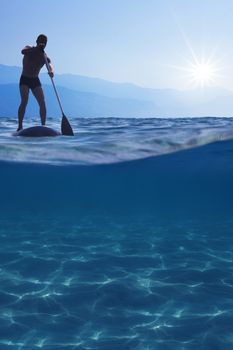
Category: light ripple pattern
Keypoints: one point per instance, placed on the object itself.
(95, 286)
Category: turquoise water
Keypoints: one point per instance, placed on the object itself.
(118, 238)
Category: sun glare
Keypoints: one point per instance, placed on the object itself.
(203, 73)
(201, 68)
(200, 72)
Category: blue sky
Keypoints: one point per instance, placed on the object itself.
(152, 43)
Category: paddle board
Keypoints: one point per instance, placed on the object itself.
(37, 131)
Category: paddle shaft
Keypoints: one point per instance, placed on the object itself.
(66, 128)
(55, 90)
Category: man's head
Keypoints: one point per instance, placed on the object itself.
(41, 40)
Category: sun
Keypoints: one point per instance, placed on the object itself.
(201, 68)
(203, 73)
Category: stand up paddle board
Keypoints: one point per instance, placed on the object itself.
(37, 131)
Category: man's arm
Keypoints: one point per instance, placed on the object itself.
(27, 49)
(51, 70)
(50, 67)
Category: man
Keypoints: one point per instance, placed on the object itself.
(33, 61)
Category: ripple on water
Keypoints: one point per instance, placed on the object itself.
(111, 140)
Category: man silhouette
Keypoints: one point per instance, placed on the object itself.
(33, 61)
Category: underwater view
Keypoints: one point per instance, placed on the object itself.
(119, 237)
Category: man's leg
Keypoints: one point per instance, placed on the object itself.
(39, 95)
(24, 92)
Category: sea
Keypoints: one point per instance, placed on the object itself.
(118, 238)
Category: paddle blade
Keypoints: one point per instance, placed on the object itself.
(66, 127)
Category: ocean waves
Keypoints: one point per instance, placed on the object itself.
(111, 140)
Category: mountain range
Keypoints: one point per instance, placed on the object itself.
(92, 97)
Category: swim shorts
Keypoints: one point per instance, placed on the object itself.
(32, 83)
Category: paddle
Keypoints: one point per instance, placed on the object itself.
(66, 128)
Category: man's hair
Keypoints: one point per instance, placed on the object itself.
(41, 39)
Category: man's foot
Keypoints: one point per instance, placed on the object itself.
(19, 128)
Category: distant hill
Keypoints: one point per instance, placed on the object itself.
(90, 97)
(75, 104)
